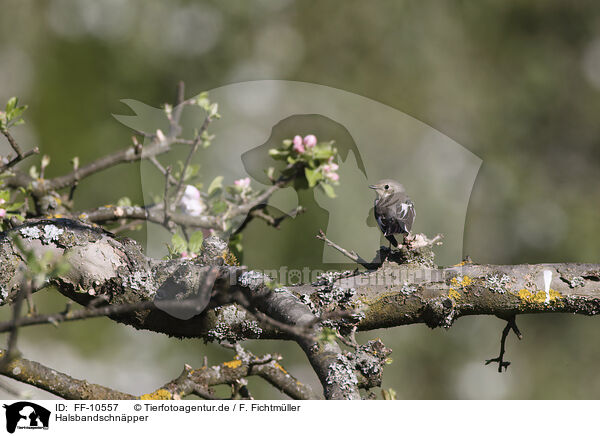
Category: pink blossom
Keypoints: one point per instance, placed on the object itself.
(298, 146)
(186, 255)
(333, 176)
(329, 171)
(242, 183)
(310, 141)
(329, 168)
(2, 213)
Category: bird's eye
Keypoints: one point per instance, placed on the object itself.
(386, 187)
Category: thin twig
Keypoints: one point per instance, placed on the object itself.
(174, 119)
(197, 141)
(18, 159)
(167, 221)
(127, 226)
(349, 254)
(13, 143)
(13, 325)
(162, 169)
(510, 325)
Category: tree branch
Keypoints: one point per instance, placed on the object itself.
(57, 383)
(396, 294)
(266, 367)
(391, 296)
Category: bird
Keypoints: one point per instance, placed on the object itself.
(394, 211)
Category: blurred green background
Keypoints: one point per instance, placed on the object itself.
(516, 82)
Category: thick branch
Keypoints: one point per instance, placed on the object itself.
(189, 382)
(57, 383)
(391, 296)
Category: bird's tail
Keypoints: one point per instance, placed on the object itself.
(392, 240)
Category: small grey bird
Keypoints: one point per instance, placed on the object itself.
(394, 211)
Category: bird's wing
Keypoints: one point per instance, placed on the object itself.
(379, 218)
(399, 213)
(385, 214)
(408, 215)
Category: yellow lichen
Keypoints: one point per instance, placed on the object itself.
(279, 367)
(233, 364)
(538, 297)
(453, 293)
(229, 258)
(463, 282)
(554, 295)
(525, 294)
(160, 394)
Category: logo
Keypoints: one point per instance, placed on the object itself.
(26, 415)
(373, 142)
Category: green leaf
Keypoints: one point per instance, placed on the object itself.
(124, 202)
(5, 195)
(14, 206)
(213, 110)
(329, 191)
(206, 139)
(323, 153)
(235, 245)
(219, 207)
(16, 112)
(179, 244)
(196, 241)
(215, 184)
(277, 154)
(11, 104)
(191, 171)
(312, 177)
(202, 101)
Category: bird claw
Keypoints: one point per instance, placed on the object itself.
(409, 241)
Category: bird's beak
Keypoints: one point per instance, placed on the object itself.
(373, 186)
